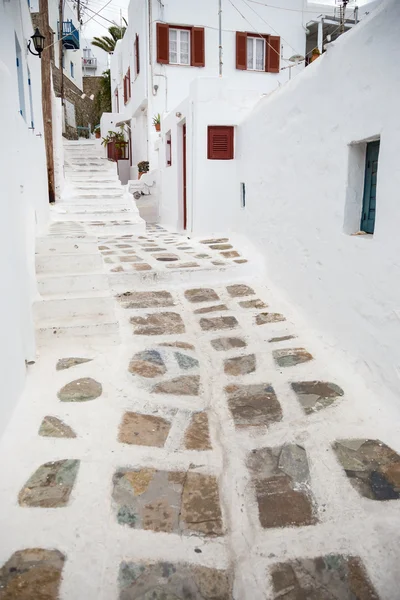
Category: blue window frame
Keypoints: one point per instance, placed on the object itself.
(370, 183)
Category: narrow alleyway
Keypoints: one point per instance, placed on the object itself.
(183, 435)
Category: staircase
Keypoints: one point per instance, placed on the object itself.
(93, 193)
(74, 295)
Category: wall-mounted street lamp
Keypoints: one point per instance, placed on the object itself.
(38, 42)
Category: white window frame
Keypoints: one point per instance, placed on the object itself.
(178, 46)
(254, 57)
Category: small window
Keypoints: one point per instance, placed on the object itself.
(20, 78)
(127, 86)
(137, 56)
(220, 142)
(168, 149)
(179, 46)
(72, 68)
(255, 54)
(30, 99)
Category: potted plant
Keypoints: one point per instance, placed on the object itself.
(97, 132)
(157, 122)
(315, 54)
(143, 167)
(115, 142)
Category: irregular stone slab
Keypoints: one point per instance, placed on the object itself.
(201, 511)
(197, 436)
(183, 345)
(167, 581)
(218, 323)
(238, 290)
(281, 479)
(282, 338)
(153, 249)
(51, 485)
(54, 427)
(372, 468)
(67, 363)
(215, 241)
(323, 578)
(141, 267)
(160, 299)
(80, 390)
(257, 303)
(265, 318)
(230, 254)
(178, 266)
(147, 364)
(123, 245)
(202, 256)
(221, 246)
(316, 395)
(253, 405)
(130, 259)
(143, 430)
(240, 365)
(224, 344)
(201, 295)
(32, 574)
(241, 261)
(172, 502)
(186, 362)
(163, 323)
(187, 385)
(209, 309)
(103, 247)
(218, 263)
(289, 357)
(118, 269)
(166, 257)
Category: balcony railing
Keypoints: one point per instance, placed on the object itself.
(70, 35)
(89, 63)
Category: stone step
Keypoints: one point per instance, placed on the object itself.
(97, 215)
(72, 285)
(72, 317)
(48, 245)
(68, 263)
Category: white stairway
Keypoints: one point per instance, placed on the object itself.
(74, 294)
(93, 194)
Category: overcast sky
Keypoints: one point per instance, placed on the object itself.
(98, 25)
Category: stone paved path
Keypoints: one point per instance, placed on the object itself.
(217, 449)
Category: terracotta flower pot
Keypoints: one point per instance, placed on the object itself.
(158, 126)
(97, 134)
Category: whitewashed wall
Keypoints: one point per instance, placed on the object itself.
(297, 160)
(23, 202)
(213, 192)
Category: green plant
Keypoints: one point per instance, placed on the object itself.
(114, 136)
(108, 43)
(157, 119)
(143, 166)
(97, 129)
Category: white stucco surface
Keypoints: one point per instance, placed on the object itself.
(23, 200)
(304, 191)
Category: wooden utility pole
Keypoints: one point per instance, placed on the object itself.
(46, 95)
(61, 49)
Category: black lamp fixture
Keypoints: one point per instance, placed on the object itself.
(38, 42)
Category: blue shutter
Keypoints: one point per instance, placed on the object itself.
(370, 183)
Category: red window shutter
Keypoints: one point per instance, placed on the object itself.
(137, 57)
(162, 43)
(241, 50)
(272, 64)
(220, 142)
(198, 47)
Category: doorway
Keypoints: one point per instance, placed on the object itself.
(184, 194)
(370, 181)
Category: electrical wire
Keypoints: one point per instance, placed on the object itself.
(269, 25)
(105, 18)
(83, 24)
(258, 33)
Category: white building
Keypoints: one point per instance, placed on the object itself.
(319, 161)
(153, 68)
(172, 68)
(23, 197)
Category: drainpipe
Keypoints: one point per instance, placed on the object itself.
(321, 35)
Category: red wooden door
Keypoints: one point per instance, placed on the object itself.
(184, 176)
